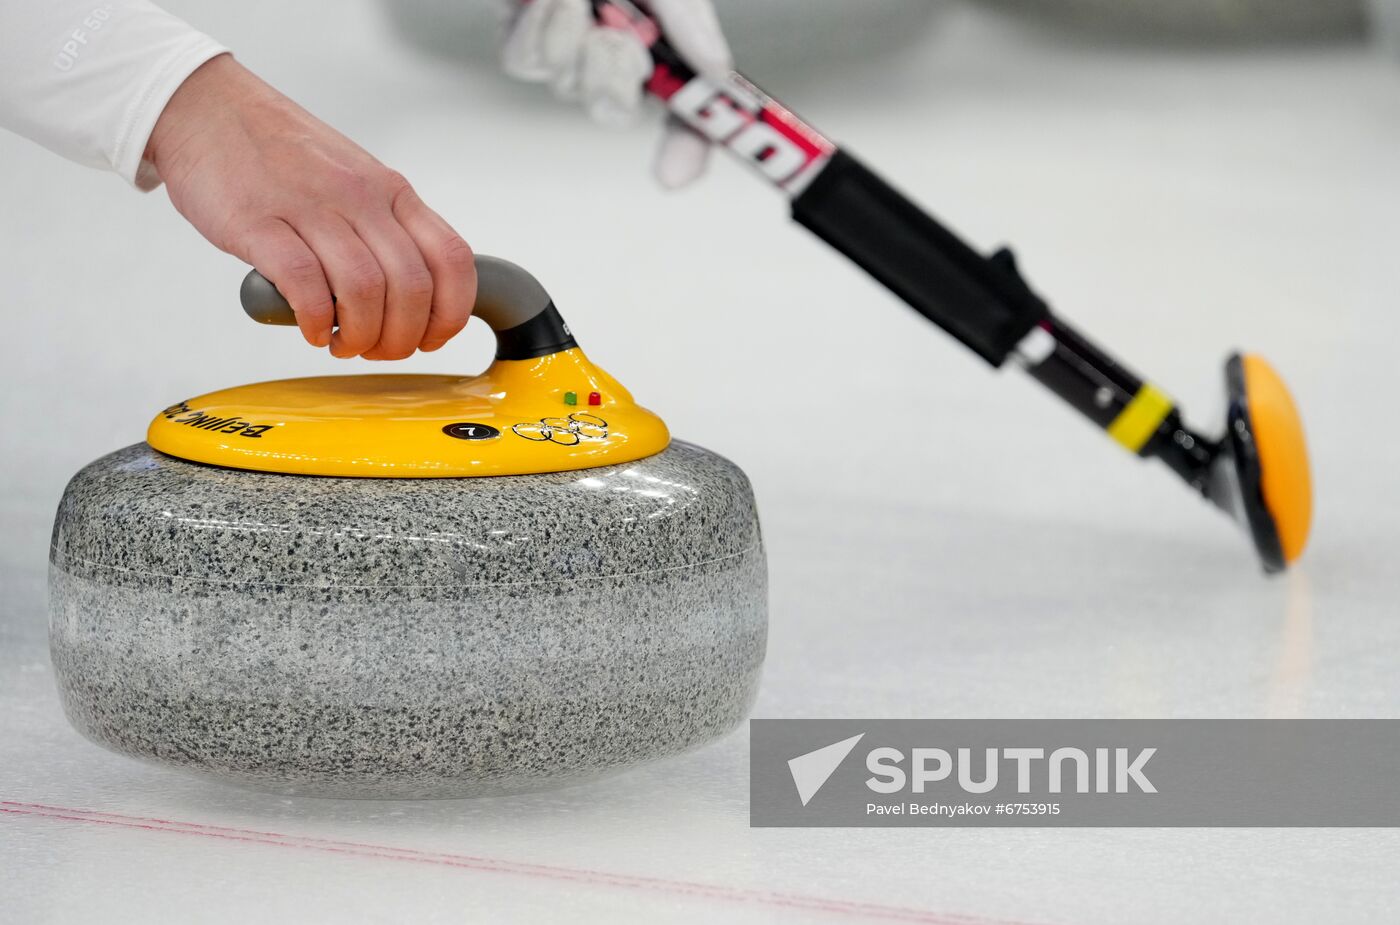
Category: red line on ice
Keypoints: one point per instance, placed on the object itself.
(493, 865)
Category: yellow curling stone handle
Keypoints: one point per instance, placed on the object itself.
(541, 406)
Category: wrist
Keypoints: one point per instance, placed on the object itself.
(208, 87)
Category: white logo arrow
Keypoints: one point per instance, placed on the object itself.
(812, 770)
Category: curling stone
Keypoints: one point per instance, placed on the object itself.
(408, 586)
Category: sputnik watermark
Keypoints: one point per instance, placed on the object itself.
(1075, 772)
(1114, 771)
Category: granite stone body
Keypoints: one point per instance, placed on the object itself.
(407, 638)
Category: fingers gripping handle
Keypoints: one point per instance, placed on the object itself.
(508, 298)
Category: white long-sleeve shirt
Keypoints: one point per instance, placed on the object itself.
(88, 78)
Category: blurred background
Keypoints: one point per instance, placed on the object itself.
(1180, 179)
(795, 37)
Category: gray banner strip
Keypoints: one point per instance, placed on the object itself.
(1074, 772)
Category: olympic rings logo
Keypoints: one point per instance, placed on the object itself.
(569, 431)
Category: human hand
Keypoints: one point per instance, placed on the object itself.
(266, 181)
(559, 43)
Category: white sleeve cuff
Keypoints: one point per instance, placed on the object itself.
(89, 81)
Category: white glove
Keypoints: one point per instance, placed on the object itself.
(559, 43)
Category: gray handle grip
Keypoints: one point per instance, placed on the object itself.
(508, 298)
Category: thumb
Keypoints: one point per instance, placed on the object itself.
(682, 157)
